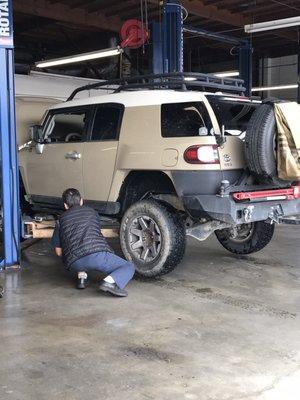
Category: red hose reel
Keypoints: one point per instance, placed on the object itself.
(133, 34)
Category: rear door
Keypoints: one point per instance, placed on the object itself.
(233, 115)
(100, 152)
(59, 166)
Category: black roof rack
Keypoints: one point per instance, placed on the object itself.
(175, 80)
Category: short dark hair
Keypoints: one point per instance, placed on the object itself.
(71, 197)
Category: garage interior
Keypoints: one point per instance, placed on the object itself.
(221, 326)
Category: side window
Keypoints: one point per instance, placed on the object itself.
(67, 126)
(185, 119)
(107, 122)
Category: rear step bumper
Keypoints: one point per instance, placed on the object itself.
(226, 209)
(290, 193)
(295, 220)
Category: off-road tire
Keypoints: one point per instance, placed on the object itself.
(261, 236)
(173, 238)
(259, 145)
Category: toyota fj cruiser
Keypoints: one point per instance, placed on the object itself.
(166, 156)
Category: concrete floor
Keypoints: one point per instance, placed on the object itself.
(219, 327)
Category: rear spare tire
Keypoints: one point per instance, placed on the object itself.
(152, 236)
(246, 238)
(260, 145)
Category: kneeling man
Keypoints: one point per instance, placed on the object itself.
(78, 239)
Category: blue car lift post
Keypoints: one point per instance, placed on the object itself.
(168, 44)
(9, 162)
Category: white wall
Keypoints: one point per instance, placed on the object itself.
(39, 84)
(280, 71)
(36, 92)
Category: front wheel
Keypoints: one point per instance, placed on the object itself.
(246, 238)
(152, 236)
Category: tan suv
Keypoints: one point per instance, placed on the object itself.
(163, 159)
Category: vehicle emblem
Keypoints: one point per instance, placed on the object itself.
(227, 158)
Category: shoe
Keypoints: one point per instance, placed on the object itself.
(82, 283)
(113, 289)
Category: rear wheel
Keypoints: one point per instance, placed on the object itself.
(246, 238)
(152, 236)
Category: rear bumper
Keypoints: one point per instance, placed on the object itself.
(225, 209)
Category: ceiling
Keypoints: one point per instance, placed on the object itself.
(51, 28)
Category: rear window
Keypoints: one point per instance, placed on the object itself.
(185, 120)
(232, 113)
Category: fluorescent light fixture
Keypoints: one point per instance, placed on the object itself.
(190, 78)
(80, 57)
(279, 87)
(270, 25)
(227, 74)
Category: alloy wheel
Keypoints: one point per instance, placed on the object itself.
(145, 238)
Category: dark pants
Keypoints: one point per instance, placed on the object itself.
(108, 263)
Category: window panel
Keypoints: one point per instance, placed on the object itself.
(185, 120)
(107, 123)
(67, 126)
(233, 114)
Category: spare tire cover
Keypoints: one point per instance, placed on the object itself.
(260, 145)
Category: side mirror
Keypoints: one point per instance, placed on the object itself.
(36, 133)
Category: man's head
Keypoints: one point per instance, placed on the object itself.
(72, 197)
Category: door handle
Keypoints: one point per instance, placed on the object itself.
(73, 155)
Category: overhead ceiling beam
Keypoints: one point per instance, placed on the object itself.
(226, 4)
(132, 12)
(268, 15)
(65, 13)
(197, 7)
(122, 7)
(260, 11)
(95, 5)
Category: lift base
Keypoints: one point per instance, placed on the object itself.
(44, 229)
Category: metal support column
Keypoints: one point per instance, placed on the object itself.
(298, 96)
(245, 66)
(172, 36)
(8, 151)
(157, 55)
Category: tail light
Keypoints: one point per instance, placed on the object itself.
(297, 191)
(202, 154)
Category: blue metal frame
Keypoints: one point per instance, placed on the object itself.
(8, 143)
(172, 34)
(168, 44)
(157, 41)
(245, 52)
